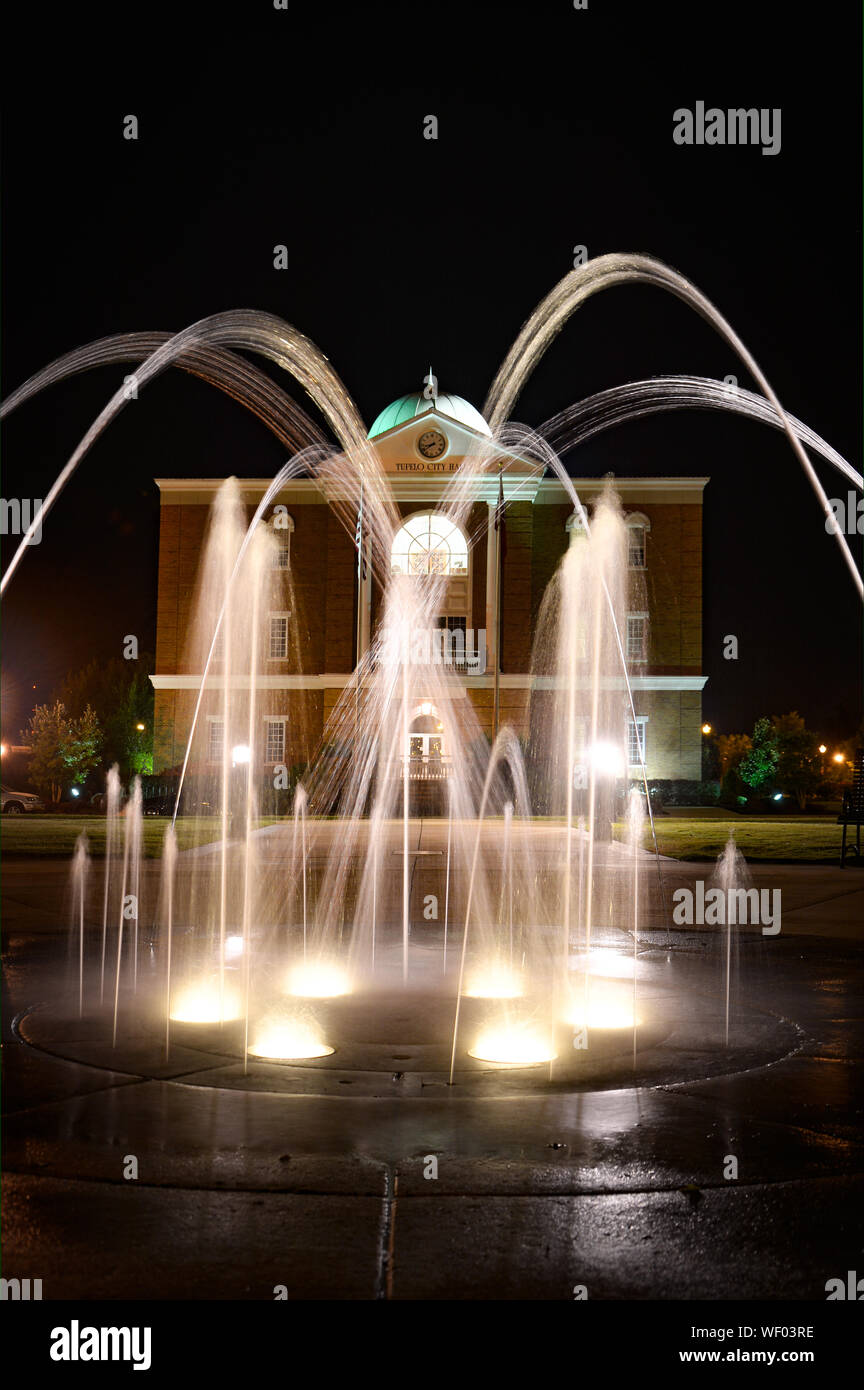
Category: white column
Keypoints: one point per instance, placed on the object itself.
(492, 540)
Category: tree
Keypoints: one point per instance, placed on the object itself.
(83, 745)
(798, 769)
(121, 693)
(757, 768)
(46, 734)
(63, 749)
(731, 751)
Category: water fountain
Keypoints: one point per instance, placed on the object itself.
(296, 946)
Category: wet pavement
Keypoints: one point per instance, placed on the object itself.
(704, 1175)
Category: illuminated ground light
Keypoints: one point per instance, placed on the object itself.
(206, 1002)
(518, 1044)
(495, 981)
(288, 1040)
(607, 1007)
(318, 980)
(604, 960)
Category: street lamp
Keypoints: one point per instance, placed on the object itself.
(140, 728)
(838, 758)
(822, 748)
(706, 728)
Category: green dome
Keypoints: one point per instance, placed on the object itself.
(407, 407)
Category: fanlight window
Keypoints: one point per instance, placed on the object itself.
(429, 544)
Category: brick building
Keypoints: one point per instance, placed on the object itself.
(421, 444)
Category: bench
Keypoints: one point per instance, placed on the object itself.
(853, 810)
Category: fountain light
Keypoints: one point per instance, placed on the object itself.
(518, 1044)
(206, 1002)
(317, 979)
(494, 981)
(233, 947)
(604, 960)
(288, 1040)
(607, 759)
(242, 753)
(608, 1006)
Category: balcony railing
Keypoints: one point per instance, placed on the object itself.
(427, 769)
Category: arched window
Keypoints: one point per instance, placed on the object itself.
(429, 544)
(638, 527)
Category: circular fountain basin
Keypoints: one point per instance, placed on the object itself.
(397, 1044)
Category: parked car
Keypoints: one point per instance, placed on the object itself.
(14, 803)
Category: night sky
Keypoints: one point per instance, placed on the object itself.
(260, 127)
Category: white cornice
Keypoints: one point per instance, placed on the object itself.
(187, 492)
(338, 681)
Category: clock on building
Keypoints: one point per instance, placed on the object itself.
(432, 444)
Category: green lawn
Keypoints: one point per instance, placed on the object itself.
(44, 836)
(809, 839)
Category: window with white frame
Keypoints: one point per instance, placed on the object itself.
(638, 527)
(278, 645)
(453, 628)
(215, 740)
(636, 731)
(274, 740)
(282, 525)
(637, 636)
(429, 544)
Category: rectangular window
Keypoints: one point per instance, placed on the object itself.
(278, 636)
(637, 636)
(274, 743)
(636, 547)
(215, 740)
(452, 642)
(282, 554)
(636, 741)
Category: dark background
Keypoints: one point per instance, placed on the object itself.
(260, 127)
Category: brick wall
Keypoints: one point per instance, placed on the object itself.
(323, 574)
(516, 564)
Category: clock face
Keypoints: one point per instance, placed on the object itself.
(431, 444)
